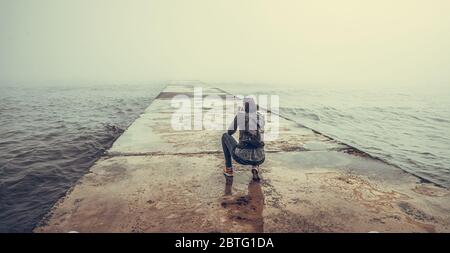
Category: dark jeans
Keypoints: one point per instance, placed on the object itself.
(228, 145)
(243, 156)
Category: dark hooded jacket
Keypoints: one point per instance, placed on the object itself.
(250, 123)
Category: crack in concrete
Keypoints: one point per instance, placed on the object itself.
(209, 152)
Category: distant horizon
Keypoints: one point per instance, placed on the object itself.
(345, 44)
(433, 88)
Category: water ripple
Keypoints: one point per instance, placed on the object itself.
(50, 136)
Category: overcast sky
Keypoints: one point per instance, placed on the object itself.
(355, 43)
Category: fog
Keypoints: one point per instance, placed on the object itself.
(346, 43)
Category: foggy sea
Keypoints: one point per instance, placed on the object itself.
(51, 135)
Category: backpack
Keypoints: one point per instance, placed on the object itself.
(252, 138)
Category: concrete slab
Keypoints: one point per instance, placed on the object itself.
(338, 192)
(156, 179)
(152, 133)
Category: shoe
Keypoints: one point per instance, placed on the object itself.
(255, 172)
(228, 172)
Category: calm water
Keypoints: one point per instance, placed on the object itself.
(50, 136)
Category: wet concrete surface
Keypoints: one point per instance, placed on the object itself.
(156, 179)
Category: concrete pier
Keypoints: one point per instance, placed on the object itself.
(156, 179)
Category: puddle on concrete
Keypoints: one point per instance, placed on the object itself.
(301, 160)
(343, 161)
(244, 211)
